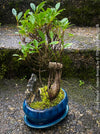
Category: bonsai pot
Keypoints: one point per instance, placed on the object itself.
(47, 117)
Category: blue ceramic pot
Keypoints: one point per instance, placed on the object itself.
(47, 115)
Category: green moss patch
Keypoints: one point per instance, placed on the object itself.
(46, 103)
(10, 67)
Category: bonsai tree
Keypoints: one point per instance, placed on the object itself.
(42, 35)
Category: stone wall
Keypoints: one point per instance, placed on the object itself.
(81, 13)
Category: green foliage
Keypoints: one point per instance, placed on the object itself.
(14, 12)
(3, 70)
(81, 13)
(57, 6)
(40, 6)
(67, 45)
(68, 68)
(46, 103)
(44, 29)
(23, 78)
(10, 67)
(78, 17)
(32, 5)
(18, 16)
(81, 83)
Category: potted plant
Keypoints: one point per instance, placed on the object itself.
(42, 35)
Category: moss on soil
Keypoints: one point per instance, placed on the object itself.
(45, 101)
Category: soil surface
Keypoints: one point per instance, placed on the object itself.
(83, 38)
(83, 118)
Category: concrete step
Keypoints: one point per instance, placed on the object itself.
(79, 59)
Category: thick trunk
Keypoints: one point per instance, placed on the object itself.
(54, 79)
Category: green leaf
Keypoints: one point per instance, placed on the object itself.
(29, 46)
(26, 13)
(40, 6)
(54, 42)
(23, 50)
(61, 10)
(21, 59)
(41, 42)
(67, 45)
(22, 32)
(14, 12)
(32, 19)
(19, 42)
(30, 13)
(30, 52)
(41, 34)
(70, 34)
(32, 5)
(35, 42)
(57, 6)
(51, 35)
(20, 15)
(17, 55)
(65, 20)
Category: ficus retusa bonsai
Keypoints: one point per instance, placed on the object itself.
(42, 35)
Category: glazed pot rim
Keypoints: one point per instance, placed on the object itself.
(36, 110)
